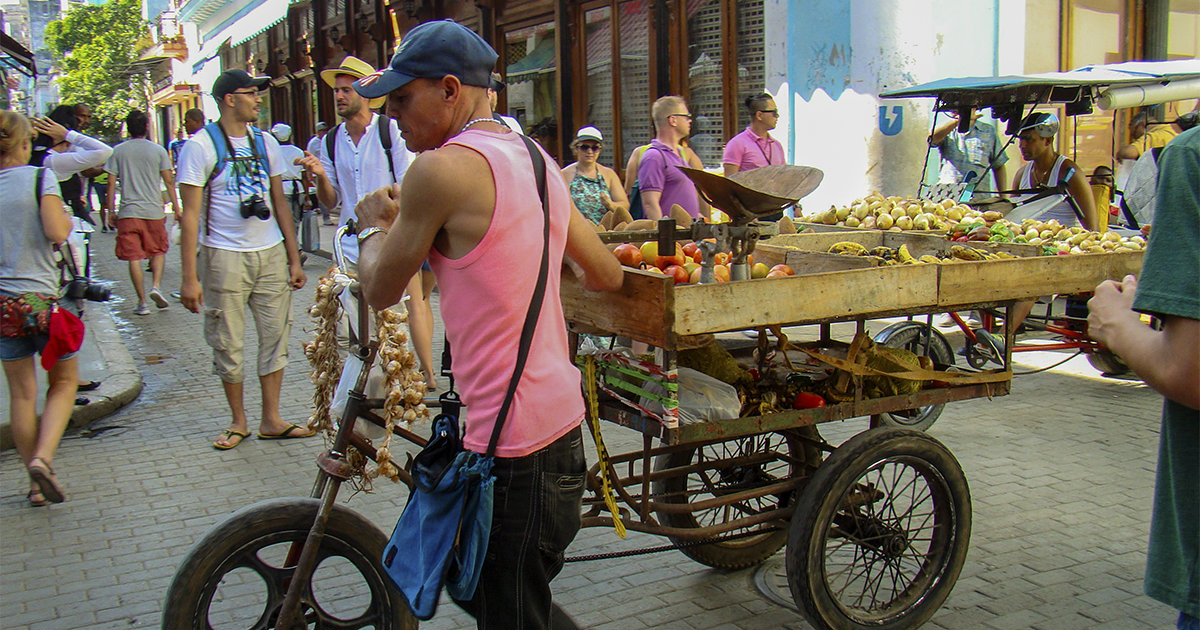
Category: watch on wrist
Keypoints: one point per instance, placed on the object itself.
(368, 233)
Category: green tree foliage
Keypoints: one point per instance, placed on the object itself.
(95, 47)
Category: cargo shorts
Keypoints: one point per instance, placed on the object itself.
(232, 281)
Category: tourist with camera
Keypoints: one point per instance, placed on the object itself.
(31, 322)
(234, 210)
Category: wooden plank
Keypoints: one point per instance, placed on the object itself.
(1027, 278)
(641, 309)
(808, 297)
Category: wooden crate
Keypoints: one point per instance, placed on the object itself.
(807, 251)
(1028, 278)
(649, 307)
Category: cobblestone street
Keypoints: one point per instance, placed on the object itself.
(1061, 474)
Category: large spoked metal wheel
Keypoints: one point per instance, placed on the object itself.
(913, 336)
(715, 471)
(1108, 362)
(880, 533)
(237, 575)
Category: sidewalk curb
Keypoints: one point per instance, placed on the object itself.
(121, 384)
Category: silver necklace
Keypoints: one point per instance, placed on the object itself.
(476, 121)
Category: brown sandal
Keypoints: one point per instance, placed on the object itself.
(36, 498)
(43, 475)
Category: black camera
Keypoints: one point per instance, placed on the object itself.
(255, 207)
(85, 289)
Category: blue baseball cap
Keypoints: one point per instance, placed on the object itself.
(432, 51)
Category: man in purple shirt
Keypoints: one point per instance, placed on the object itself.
(662, 185)
(754, 147)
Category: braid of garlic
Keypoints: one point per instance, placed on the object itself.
(322, 353)
(404, 385)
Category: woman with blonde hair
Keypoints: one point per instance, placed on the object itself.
(34, 221)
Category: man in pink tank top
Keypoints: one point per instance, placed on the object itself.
(470, 205)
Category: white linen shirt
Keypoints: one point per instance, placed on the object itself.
(362, 169)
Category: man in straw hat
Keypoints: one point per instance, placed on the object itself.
(354, 161)
(472, 208)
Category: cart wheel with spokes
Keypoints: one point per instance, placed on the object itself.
(912, 336)
(237, 575)
(880, 533)
(711, 475)
(987, 348)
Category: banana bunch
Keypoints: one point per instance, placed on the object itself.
(885, 255)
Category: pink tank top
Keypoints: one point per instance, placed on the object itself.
(484, 298)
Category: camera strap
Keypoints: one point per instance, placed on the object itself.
(226, 153)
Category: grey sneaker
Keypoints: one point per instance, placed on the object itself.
(158, 299)
(142, 309)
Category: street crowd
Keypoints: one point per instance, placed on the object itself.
(440, 187)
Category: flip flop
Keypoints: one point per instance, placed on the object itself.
(43, 475)
(228, 435)
(288, 434)
(88, 386)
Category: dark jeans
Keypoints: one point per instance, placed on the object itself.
(538, 499)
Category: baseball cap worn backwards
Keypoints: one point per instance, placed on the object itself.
(1045, 124)
(432, 51)
(236, 79)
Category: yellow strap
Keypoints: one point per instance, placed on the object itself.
(589, 377)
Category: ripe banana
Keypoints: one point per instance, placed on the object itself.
(965, 253)
(848, 247)
(929, 258)
(903, 256)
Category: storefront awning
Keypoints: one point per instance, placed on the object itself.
(16, 56)
(540, 60)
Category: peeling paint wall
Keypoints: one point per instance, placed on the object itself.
(836, 56)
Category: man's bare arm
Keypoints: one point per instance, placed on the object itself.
(600, 269)
(168, 179)
(189, 228)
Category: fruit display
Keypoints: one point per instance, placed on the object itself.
(684, 264)
(1053, 237)
(884, 255)
(876, 212)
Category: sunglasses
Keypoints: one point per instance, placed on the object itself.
(773, 112)
(588, 147)
(687, 116)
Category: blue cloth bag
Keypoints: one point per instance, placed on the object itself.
(442, 535)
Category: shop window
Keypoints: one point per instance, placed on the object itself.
(633, 31)
(751, 57)
(1096, 36)
(599, 110)
(533, 84)
(705, 94)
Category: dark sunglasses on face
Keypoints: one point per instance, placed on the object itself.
(773, 112)
(687, 116)
(589, 147)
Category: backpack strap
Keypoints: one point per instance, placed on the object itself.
(331, 144)
(38, 178)
(385, 139)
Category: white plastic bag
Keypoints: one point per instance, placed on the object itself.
(341, 395)
(702, 398)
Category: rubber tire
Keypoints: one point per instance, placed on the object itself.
(1108, 362)
(743, 552)
(908, 335)
(281, 520)
(821, 500)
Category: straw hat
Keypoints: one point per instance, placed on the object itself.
(354, 67)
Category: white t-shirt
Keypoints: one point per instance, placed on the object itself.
(238, 181)
(292, 172)
(362, 169)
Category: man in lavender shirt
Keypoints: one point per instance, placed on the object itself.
(754, 147)
(662, 185)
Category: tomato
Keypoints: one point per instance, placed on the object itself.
(721, 258)
(759, 270)
(694, 276)
(750, 259)
(777, 273)
(678, 259)
(785, 269)
(721, 272)
(690, 249)
(698, 257)
(629, 255)
(679, 273)
(808, 400)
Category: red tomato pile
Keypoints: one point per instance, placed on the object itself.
(684, 264)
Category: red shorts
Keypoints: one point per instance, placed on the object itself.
(139, 239)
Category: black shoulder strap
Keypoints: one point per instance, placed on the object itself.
(385, 139)
(535, 304)
(331, 144)
(37, 184)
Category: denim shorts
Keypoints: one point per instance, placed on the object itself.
(17, 348)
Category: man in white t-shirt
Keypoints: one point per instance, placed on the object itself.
(233, 205)
(293, 173)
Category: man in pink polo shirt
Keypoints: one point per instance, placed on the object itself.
(754, 147)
